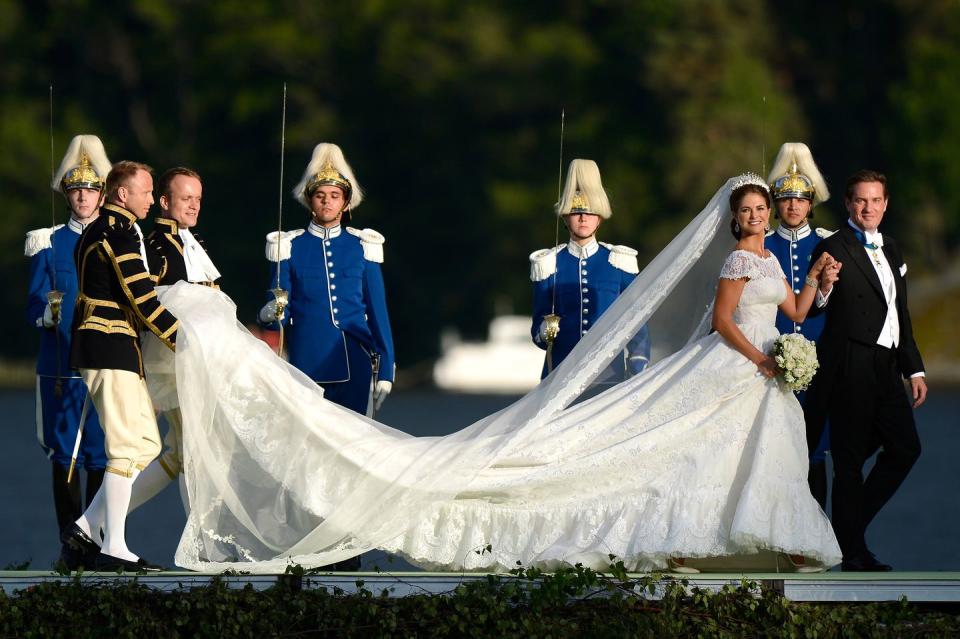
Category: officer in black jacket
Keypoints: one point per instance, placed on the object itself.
(175, 253)
(116, 301)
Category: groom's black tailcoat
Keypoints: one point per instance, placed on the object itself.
(859, 388)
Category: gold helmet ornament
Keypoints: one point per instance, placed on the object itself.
(328, 167)
(795, 175)
(583, 191)
(84, 166)
(579, 203)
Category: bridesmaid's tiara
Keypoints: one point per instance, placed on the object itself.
(749, 178)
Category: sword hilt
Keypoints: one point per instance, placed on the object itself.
(551, 327)
(55, 301)
(282, 299)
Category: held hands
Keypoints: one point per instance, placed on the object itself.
(827, 271)
(380, 392)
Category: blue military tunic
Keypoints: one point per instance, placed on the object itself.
(58, 415)
(337, 317)
(793, 248)
(588, 280)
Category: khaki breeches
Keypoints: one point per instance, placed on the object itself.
(131, 437)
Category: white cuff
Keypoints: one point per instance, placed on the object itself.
(920, 374)
(823, 299)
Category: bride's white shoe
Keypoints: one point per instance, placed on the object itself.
(678, 565)
(798, 564)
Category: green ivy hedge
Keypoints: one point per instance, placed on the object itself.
(574, 602)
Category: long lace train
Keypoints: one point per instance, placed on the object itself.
(698, 456)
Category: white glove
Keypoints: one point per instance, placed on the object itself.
(542, 332)
(48, 317)
(269, 312)
(380, 392)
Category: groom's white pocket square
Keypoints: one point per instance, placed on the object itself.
(903, 270)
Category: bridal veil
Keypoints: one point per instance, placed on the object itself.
(276, 475)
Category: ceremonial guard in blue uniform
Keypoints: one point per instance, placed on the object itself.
(335, 317)
(579, 280)
(52, 295)
(115, 303)
(175, 252)
(797, 186)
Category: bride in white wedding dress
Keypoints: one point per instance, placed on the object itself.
(701, 455)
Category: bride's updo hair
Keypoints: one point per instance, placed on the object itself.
(737, 195)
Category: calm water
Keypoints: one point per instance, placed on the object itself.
(918, 530)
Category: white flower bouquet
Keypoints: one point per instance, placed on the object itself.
(796, 356)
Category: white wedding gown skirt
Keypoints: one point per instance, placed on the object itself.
(699, 456)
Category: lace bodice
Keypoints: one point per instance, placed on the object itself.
(764, 290)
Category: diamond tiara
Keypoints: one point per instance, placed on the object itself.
(749, 178)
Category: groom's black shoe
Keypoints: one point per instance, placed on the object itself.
(864, 562)
(109, 563)
(77, 549)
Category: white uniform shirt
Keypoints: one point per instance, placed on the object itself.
(199, 266)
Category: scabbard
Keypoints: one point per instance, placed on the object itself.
(374, 377)
(76, 443)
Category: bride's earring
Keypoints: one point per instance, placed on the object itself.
(736, 227)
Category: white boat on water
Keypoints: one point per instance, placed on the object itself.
(508, 362)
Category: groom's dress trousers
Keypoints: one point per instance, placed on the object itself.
(60, 390)
(171, 259)
(337, 325)
(579, 283)
(117, 300)
(865, 350)
(793, 248)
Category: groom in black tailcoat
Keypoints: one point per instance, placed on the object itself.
(866, 346)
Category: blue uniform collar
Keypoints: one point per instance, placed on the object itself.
(794, 234)
(324, 233)
(583, 252)
(76, 225)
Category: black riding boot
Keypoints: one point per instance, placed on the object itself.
(66, 497)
